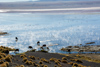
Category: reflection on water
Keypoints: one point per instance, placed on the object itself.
(62, 29)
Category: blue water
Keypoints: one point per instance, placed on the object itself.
(62, 29)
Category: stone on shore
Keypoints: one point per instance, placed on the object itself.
(3, 33)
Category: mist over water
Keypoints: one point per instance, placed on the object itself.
(41, 0)
(16, 0)
(62, 29)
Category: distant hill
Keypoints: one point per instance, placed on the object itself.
(54, 0)
(68, 0)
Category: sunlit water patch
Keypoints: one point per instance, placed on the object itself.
(64, 30)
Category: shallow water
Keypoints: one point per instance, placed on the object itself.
(62, 29)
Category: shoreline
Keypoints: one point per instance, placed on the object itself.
(43, 58)
(35, 59)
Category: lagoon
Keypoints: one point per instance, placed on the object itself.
(62, 29)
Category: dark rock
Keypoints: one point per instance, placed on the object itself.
(3, 33)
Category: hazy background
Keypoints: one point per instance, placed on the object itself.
(43, 0)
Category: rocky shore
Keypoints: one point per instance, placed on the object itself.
(3, 33)
(42, 58)
(83, 48)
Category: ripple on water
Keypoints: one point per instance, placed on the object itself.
(49, 29)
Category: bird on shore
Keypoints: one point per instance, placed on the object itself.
(38, 43)
(16, 51)
(30, 47)
(16, 39)
(44, 45)
(48, 48)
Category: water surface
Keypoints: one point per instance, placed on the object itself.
(62, 29)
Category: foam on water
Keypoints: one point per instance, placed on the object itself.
(49, 29)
